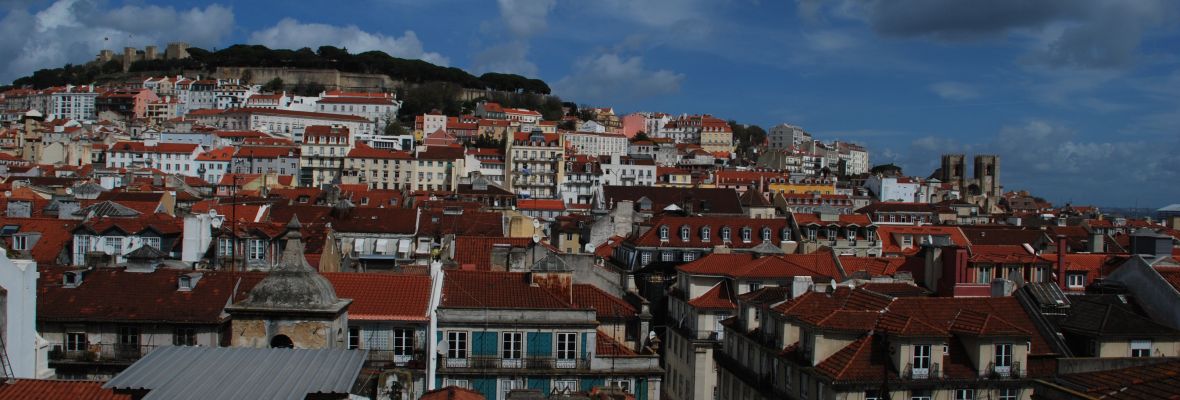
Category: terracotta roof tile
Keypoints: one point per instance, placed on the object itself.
(103, 296)
(477, 250)
(719, 297)
(609, 347)
(486, 289)
(44, 389)
(606, 304)
(383, 297)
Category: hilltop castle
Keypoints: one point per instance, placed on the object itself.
(174, 51)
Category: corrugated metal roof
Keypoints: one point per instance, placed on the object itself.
(176, 372)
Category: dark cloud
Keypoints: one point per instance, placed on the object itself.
(966, 19)
(1087, 34)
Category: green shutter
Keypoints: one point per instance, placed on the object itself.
(641, 389)
(539, 383)
(585, 345)
(588, 383)
(540, 344)
(483, 344)
(486, 387)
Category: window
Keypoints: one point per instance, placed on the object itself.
(1140, 348)
(508, 385)
(184, 336)
(705, 234)
(645, 258)
(983, 274)
(746, 233)
(257, 249)
(354, 337)
(1009, 394)
(921, 362)
(663, 234)
(403, 344)
(20, 242)
(1003, 359)
(684, 233)
(667, 256)
(921, 395)
(754, 286)
(567, 349)
(154, 242)
(127, 343)
(564, 386)
(725, 234)
(964, 394)
(689, 256)
(786, 234)
(225, 247)
(811, 233)
(765, 234)
(76, 341)
(1075, 280)
(621, 383)
(456, 349)
(907, 241)
(512, 349)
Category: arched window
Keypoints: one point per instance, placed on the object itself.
(684, 233)
(786, 234)
(706, 234)
(664, 233)
(281, 342)
(725, 234)
(765, 234)
(746, 234)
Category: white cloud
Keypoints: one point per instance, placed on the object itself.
(954, 90)
(73, 31)
(508, 58)
(525, 17)
(292, 34)
(612, 77)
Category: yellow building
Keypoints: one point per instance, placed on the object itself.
(805, 185)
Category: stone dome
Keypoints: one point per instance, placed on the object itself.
(293, 284)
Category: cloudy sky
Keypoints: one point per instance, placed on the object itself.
(1080, 98)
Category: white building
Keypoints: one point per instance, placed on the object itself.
(212, 165)
(73, 102)
(27, 352)
(380, 108)
(286, 123)
(172, 158)
(596, 144)
(783, 136)
(627, 171)
(432, 122)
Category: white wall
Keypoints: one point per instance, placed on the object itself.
(27, 351)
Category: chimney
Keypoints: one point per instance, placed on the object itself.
(1097, 242)
(1062, 250)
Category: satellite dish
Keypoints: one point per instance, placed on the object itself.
(537, 238)
(70, 191)
(536, 223)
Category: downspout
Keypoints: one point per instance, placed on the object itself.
(436, 285)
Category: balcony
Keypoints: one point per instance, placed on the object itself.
(1013, 371)
(921, 373)
(386, 357)
(100, 353)
(497, 363)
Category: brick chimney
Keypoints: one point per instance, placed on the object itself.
(1062, 250)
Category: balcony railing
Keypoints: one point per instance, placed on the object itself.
(1005, 372)
(100, 353)
(921, 373)
(414, 360)
(526, 363)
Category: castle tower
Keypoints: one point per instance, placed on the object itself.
(987, 174)
(128, 58)
(149, 53)
(294, 306)
(954, 169)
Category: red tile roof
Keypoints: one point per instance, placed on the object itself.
(55, 236)
(477, 250)
(383, 297)
(221, 154)
(804, 219)
(452, 393)
(486, 289)
(651, 238)
(743, 265)
(605, 304)
(103, 296)
(44, 389)
(297, 114)
(717, 298)
(891, 245)
(540, 204)
(1151, 381)
(365, 151)
(1002, 254)
(607, 346)
(875, 266)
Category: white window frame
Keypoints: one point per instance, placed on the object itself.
(512, 349)
(684, 233)
(257, 250)
(566, 349)
(458, 348)
(706, 234)
(76, 341)
(564, 386)
(1141, 348)
(20, 242)
(403, 344)
(1002, 354)
(964, 394)
(1009, 394)
(626, 384)
(921, 360)
(1075, 280)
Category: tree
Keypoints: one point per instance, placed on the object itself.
(393, 128)
(275, 85)
(640, 136)
(568, 125)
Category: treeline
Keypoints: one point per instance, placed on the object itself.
(325, 57)
(447, 98)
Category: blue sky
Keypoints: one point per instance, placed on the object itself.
(1080, 98)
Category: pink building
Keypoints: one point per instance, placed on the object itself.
(633, 123)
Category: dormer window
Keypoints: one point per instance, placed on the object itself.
(746, 234)
(765, 234)
(907, 241)
(663, 233)
(73, 279)
(706, 234)
(684, 233)
(725, 234)
(786, 234)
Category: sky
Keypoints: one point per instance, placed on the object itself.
(1079, 98)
